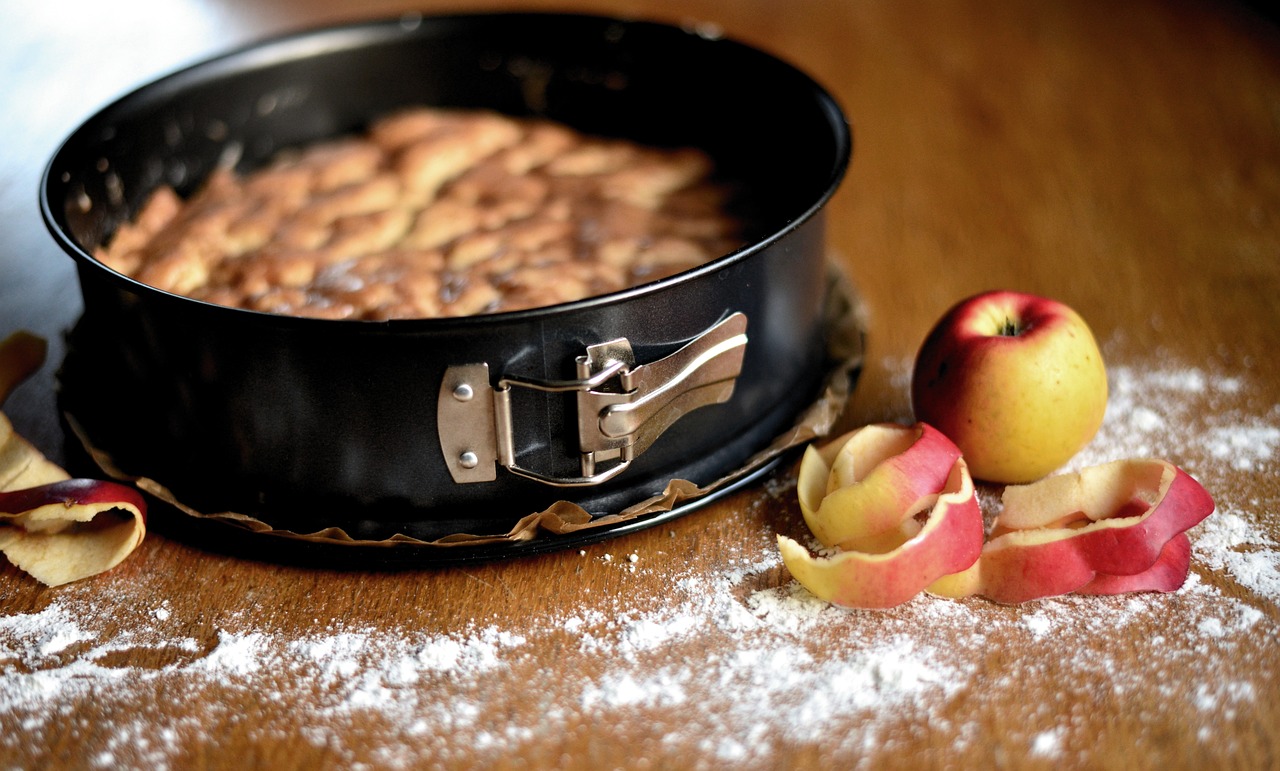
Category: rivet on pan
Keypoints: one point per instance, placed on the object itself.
(468, 459)
(463, 392)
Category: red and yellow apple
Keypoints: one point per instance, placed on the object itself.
(1116, 527)
(1015, 380)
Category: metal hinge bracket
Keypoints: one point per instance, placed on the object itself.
(621, 407)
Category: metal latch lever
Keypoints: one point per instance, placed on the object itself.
(622, 408)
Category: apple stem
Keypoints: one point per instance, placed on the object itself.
(1010, 328)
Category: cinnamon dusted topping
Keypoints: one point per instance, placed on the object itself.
(432, 213)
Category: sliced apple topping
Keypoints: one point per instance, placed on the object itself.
(865, 494)
(1106, 529)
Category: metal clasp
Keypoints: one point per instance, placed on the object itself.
(621, 407)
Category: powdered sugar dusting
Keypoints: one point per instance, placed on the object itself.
(755, 668)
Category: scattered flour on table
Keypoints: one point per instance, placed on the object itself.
(1047, 744)
(784, 669)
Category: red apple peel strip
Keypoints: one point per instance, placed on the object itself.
(64, 531)
(1134, 510)
(1159, 499)
(949, 541)
(90, 496)
(863, 488)
(1167, 575)
(55, 528)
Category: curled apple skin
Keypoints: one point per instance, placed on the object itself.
(1103, 530)
(88, 496)
(861, 491)
(52, 527)
(1131, 509)
(69, 529)
(1167, 575)
(949, 541)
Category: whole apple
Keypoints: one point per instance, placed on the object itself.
(1015, 380)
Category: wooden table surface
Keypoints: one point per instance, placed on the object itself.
(1122, 157)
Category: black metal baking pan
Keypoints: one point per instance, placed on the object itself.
(310, 423)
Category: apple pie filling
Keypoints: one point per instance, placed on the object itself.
(433, 213)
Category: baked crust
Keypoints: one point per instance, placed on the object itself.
(433, 213)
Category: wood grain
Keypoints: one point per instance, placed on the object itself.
(1124, 158)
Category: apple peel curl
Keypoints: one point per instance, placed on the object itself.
(1112, 528)
(1168, 574)
(894, 558)
(64, 531)
(864, 487)
(55, 528)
